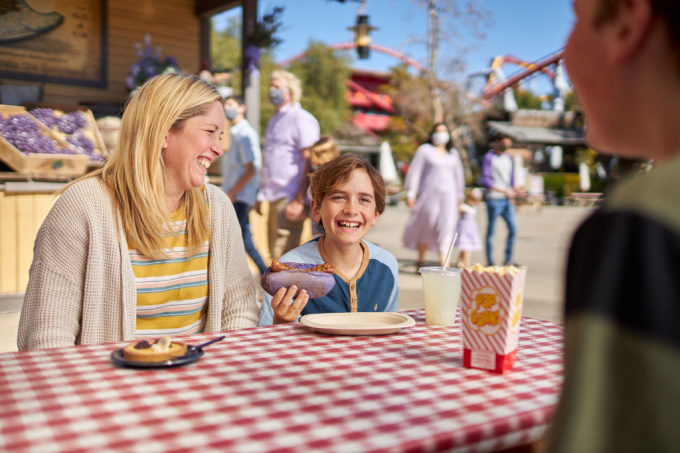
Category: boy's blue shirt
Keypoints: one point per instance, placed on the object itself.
(376, 285)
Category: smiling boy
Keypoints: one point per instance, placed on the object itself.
(348, 197)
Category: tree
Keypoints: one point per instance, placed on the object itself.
(414, 117)
(225, 45)
(526, 99)
(323, 74)
(445, 20)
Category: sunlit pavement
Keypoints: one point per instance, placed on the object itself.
(541, 244)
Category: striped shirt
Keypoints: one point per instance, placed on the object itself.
(172, 292)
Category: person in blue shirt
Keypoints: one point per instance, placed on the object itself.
(348, 197)
(241, 168)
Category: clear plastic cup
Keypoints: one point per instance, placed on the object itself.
(441, 288)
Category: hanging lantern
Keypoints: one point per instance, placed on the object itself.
(361, 36)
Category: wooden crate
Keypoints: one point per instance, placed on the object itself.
(92, 132)
(43, 166)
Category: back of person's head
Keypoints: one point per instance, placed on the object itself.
(292, 83)
(338, 171)
(135, 172)
(667, 10)
(324, 150)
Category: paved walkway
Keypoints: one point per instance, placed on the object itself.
(541, 244)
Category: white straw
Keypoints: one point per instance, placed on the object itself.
(448, 255)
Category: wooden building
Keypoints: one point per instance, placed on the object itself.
(180, 27)
(108, 31)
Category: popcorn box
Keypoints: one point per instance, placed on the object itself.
(491, 301)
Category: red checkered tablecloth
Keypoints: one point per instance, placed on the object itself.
(285, 389)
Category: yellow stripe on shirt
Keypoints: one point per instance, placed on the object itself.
(172, 292)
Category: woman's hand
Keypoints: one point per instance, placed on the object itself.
(410, 202)
(284, 311)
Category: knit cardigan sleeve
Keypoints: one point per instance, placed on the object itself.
(232, 290)
(78, 290)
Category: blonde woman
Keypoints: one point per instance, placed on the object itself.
(143, 246)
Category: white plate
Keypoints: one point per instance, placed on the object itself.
(358, 323)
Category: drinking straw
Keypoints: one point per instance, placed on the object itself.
(448, 255)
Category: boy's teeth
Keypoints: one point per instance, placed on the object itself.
(349, 224)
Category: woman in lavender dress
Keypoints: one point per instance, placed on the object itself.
(434, 190)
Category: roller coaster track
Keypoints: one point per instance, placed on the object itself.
(494, 88)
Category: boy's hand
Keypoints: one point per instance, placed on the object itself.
(284, 311)
(410, 202)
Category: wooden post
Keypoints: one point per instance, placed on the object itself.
(250, 79)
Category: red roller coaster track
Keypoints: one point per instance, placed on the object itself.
(499, 87)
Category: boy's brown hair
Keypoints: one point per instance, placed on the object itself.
(324, 150)
(338, 171)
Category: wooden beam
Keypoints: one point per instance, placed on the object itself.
(207, 8)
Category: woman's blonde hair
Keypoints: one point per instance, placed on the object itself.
(291, 81)
(325, 149)
(135, 173)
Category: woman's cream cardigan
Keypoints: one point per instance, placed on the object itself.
(81, 287)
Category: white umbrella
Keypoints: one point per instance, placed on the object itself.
(388, 169)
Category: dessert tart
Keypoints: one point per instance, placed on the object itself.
(154, 351)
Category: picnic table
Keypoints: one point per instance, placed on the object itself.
(285, 388)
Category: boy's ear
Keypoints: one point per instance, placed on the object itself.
(374, 222)
(630, 29)
(316, 211)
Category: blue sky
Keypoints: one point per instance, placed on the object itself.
(526, 29)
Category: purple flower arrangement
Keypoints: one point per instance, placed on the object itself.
(149, 64)
(71, 126)
(24, 134)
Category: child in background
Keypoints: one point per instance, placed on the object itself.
(324, 150)
(348, 196)
(469, 239)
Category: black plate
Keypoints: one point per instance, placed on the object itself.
(192, 355)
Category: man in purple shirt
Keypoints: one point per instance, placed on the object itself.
(285, 165)
(498, 177)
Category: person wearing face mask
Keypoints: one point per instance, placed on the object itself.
(498, 178)
(285, 168)
(434, 190)
(241, 171)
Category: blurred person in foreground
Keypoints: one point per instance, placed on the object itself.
(143, 246)
(241, 171)
(622, 343)
(285, 167)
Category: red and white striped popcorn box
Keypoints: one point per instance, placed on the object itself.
(491, 301)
